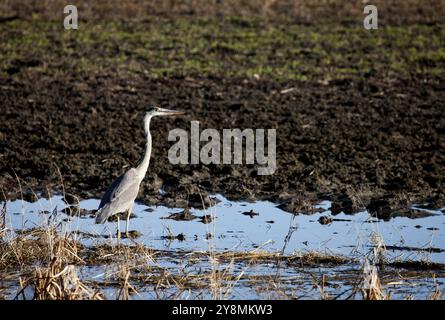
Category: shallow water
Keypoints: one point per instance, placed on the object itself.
(234, 231)
(269, 229)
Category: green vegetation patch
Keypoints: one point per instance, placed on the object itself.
(230, 47)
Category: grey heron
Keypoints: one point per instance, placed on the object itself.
(120, 196)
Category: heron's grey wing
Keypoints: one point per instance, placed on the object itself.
(122, 191)
(111, 191)
(124, 188)
(120, 195)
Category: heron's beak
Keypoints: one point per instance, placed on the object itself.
(167, 112)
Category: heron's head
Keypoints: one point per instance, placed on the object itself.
(156, 111)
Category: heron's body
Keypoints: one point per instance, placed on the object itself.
(122, 193)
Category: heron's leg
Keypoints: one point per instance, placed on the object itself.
(128, 221)
(118, 228)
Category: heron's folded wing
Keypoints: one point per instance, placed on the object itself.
(124, 189)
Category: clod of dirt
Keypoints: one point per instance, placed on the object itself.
(412, 213)
(75, 211)
(345, 203)
(206, 218)
(199, 201)
(435, 202)
(133, 234)
(389, 208)
(171, 237)
(416, 265)
(122, 216)
(30, 197)
(297, 205)
(325, 220)
(250, 213)
(184, 215)
(70, 211)
(71, 199)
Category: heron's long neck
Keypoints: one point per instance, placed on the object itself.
(143, 165)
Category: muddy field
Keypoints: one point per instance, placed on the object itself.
(359, 114)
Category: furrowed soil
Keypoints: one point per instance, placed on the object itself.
(360, 115)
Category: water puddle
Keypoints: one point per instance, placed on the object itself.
(244, 226)
(248, 227)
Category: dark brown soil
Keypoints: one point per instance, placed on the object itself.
(356, 140)
(328, 136)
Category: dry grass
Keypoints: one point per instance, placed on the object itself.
(53, 258)
(372, 288)
(56, 278)
(3, 219)
(437, 295)
(38, 246)
(221, 279)
(59, 281)
(131, 268)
